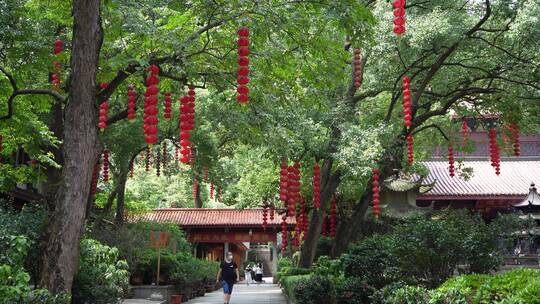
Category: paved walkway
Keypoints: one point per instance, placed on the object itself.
(242, 294)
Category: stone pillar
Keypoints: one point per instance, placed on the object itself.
(274, 258)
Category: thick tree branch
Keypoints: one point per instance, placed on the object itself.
(429, 127)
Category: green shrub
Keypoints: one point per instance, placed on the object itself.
(353, 291)
(372, 259)
(289, 285)
(102, 276)
(382, 295)
(528, 295)
(315, 290)
(399, 293)
(458, 290)
(506, 285)
(291, 271)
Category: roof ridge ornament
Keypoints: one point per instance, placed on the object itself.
(532, 199)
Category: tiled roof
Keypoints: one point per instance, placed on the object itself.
(210, 218)
(513, 182)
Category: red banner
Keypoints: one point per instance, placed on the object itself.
(231, 237)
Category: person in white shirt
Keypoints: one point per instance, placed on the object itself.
(247, 272)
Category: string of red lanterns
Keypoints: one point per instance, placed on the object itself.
(187, 124)
(219, 194)
(375, 190)
(333, 207)
(167, 111)
(105, 165)
(399, 17)
(211, 190)
(283, 182)
(357, 68)
(494, 151)
(132, 98)
(316, 186)
(176, 158)
(131, 168)
(242, 78)
(57, 65)
(150, 106)
(451, 166)
(95, 177)
(205, 174)
(407, 105)
(303, 216)
(272, 212)
(103, 110)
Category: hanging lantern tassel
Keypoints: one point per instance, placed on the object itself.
(357, 61)
(410, 155)
(399, 17)
(464, 132)
(147, 160)
(451, 166)
(184, 129)
(316, 186)
(284, 241)
(158, 164)
(132, 98)
(265, 216)
(95, 177)
(195, 191)
(333, 206)
(272, 212)
(243, 66)
(375, 191)
(494, 151)
(407, 105)
(105, 166)
(515, 139)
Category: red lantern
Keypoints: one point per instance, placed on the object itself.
(105, 165)
(167, 111)
(451, 167)
(357, 69)
(219, 194)
(494, 151)
(399, 17)
(150, 106)
(132, 98)
(103, 110)
(211, 190)
(284, 241)
(243, 65)
(410, 155)
(185, 127)
(316, 186)
(375, 191)
(407, 105)
(333, 206)
(265, 216)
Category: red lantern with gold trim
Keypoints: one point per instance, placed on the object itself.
(243, 66)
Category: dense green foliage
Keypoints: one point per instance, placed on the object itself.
(102, 276)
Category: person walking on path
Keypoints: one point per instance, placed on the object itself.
(258, 273)
(228, 273)
(247, 272)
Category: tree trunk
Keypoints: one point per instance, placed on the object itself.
(54, 175)
(121, 194)
(330, 184)
(350, 226)
(112, 195)
(80, 152)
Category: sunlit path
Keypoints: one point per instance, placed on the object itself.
(243, 294)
